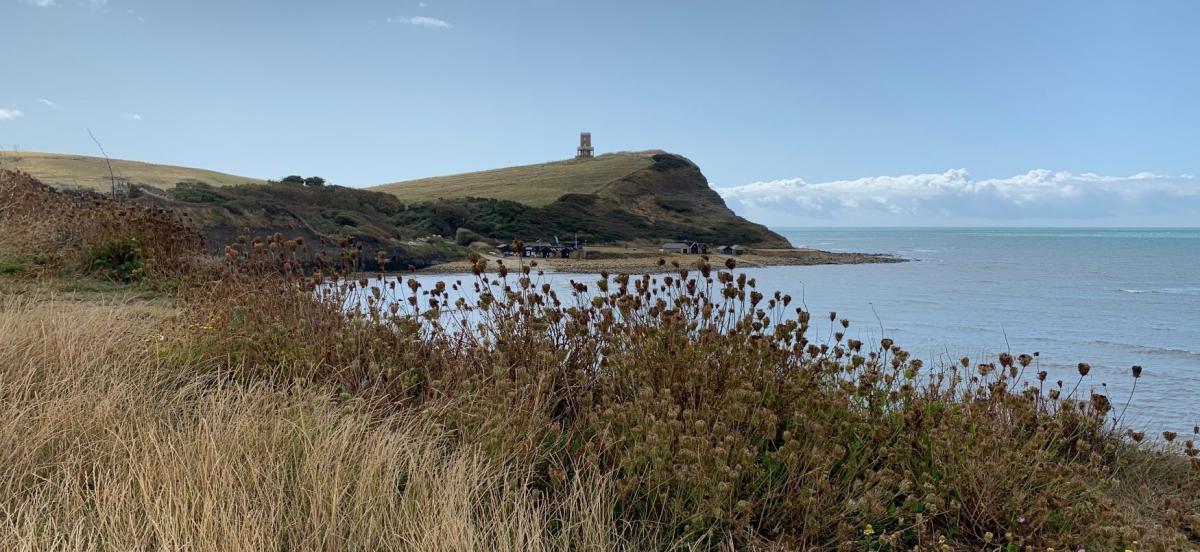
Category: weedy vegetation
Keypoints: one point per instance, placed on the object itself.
(282, 399)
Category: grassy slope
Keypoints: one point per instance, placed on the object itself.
(105, 446)
(82, 171)
(535, 185)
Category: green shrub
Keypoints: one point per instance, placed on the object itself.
(465, 236)
(12, 266)
(119, 259)
(196, 193)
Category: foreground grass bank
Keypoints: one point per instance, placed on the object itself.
(226, 405)
(104, 445)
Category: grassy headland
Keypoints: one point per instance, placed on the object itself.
(618, 197)
(237, 405)
(91, 173)
(534, 185)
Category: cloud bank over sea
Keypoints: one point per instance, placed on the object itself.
(954, 197)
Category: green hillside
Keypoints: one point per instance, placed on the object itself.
(535, 185)
(620, 197)
(81, 171)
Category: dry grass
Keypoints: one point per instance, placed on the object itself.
(43, 229)
(721, 413)
(103, 446)
(81, 171)
(535, 185)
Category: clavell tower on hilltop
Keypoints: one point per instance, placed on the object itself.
(585, 150)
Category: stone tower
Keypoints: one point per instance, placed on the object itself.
(585, 146)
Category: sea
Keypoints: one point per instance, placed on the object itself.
(1109, 297)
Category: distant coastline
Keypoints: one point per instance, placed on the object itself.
(632, 260)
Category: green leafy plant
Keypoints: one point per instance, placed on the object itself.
(119, 259)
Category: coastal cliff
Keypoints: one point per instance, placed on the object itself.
(623, 197)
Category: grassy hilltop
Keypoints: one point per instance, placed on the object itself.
(82, 171)
(535, 185)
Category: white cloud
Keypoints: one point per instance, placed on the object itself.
(40, 3)
(132, 116)
(954, 197)
(50, 103)
(421, 21)
(10, 114)
(97, 4)
(422, 5)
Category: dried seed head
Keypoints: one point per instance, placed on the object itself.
(1137, 371)
(1169, 435)
(1084, 368)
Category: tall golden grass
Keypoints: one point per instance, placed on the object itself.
(103, 446)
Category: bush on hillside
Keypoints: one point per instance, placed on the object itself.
(118, 259)
(465, 236)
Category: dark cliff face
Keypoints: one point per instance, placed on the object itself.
(674, 192)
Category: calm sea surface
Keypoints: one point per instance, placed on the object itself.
(1110, 297)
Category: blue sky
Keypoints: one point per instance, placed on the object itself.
(846, 112)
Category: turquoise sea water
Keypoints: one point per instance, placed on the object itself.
(1109, 297)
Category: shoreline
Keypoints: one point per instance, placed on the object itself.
(641, 262)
